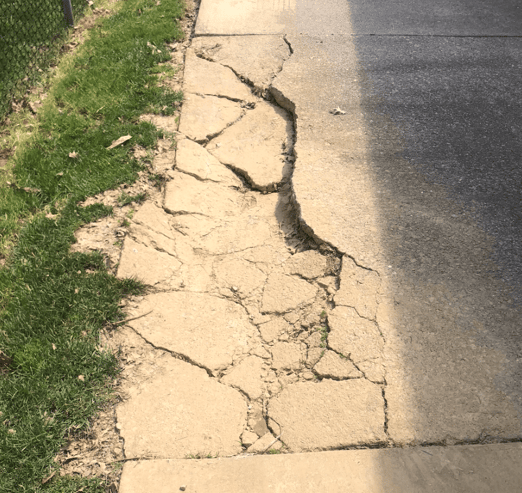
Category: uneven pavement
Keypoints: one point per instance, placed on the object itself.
(302, 298)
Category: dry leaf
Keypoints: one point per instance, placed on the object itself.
(81, 377)
(73, 154)
(120, 141)
(48, 478)
(54, 347)
(60, 173)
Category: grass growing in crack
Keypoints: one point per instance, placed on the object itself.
(53, 303)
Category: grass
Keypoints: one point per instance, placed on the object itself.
(31, 34)
(53, 303)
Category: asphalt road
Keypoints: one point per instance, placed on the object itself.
(448, 74)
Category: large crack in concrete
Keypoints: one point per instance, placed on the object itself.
(241, 287)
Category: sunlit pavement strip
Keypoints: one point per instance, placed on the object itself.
(251, 255)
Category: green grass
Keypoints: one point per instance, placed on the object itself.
(31, 34)
(53, 303)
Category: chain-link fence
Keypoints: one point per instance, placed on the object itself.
(31, 35)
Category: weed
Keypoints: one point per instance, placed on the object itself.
(200, 456)
(324, 336)
(126, 199)
(157, 180)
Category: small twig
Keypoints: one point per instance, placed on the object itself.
(129, 458)
(122, 322)
(277, 438)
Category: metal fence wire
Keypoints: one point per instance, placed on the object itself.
(31, 35)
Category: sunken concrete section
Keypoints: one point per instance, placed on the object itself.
(478, 469)
(257, 145)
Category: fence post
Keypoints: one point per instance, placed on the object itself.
(68, 11)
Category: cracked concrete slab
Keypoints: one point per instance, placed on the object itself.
(146, 263)
(246, 376)
(257, 62)
(193, 159)
(284, 293)
(272, 329)
(359, 289)
(238, 276)
(180, 411)
(206, 116)
(208, 78)
(256, 145)
(288, 356)
(185, 194)
(359, 339)
(329, 414)
(207, 330)
(333, 365)
(309, 264)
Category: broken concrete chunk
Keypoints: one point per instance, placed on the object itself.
(287, 356)
(358, 338)
(194, 159)
(329, 414)
(146, 263)
(267, 256)
(271, 330)
(261, 352)
(258, 62)
(309, 264)
(359, 289)
(264, 444)
(257, 421)
(206, 116)
(255, 146)
(232, 235)
(248, 438)
(204, 77)
(284, 293)
(185, 194)
(315, 339)
(205, 329)
(246, 376)
(332, 365)
(313, 356)
(238, 276)
(180, 411)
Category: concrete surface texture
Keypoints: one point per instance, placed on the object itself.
(336, 259)
(463, 469)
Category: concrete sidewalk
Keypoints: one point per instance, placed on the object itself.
(277, 319)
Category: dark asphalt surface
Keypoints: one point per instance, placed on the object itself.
(449, 76)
